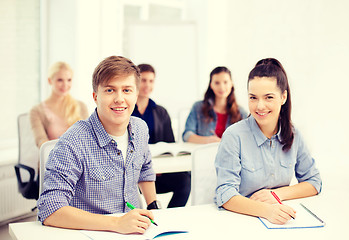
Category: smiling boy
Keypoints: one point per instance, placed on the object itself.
(99, 163)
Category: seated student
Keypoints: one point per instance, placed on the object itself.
(99, 163)
(160, 129)
(209, 118)
(264, 151)
(51, 118)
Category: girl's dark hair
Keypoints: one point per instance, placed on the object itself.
(270, 67)
(209, 99)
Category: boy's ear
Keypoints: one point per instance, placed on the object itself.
(94, 95)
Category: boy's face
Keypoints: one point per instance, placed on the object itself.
(115, 101)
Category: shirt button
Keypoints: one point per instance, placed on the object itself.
(103, 177)
(119, 153)
(131, 151)
(252, 169)
(112, 141)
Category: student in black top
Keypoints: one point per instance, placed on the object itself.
(160, 129)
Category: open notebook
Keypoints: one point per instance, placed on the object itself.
(171, 149)
(151, 233)
(305, 218)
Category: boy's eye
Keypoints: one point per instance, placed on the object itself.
(127, 90)
(109, 90)
(252, 97)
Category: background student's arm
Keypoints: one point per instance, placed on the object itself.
(134, 221)
(194, 138)
(83, 110)
(37, 126)
(191, 133)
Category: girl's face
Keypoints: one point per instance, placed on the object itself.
(265, 101)
(61, 82)
(221, 85)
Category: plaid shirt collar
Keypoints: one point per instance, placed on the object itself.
(103, 138)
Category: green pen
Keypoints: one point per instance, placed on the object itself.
(133, 207)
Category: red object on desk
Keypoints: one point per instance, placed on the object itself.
(276, 197)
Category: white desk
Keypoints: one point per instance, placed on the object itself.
(206, 222)
(172, 164)
(167, 164)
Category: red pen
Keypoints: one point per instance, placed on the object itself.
(278, 199)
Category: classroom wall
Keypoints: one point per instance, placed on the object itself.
(308, 36)
(310, 39)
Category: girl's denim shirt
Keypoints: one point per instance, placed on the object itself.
(196, 123)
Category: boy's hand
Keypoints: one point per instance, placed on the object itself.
(135, 221)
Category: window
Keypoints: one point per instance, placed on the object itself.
(19, 64)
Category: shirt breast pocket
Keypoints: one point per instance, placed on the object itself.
(251, 167)
(287, 163)
(136, 167)
(102, 173)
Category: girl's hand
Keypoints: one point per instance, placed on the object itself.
(264, 195)
(279, 213)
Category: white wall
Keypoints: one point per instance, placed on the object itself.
(310, 39)
(82, 33)
(308, 36)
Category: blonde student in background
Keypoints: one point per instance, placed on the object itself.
(262, 153)
(99, 164)
(51, 118)
(209, 118)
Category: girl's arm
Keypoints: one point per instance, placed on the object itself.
(275, 213)
(300, 190)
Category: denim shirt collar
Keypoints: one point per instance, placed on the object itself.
(103, 138)
(258, 134)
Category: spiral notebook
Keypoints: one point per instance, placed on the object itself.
(305, 218)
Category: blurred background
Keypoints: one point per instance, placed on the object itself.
(184, 40)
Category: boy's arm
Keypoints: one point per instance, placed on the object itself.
(134, 221)
(148, 191)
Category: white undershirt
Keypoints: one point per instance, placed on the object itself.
(122, 143)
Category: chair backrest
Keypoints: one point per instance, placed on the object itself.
(203, 174)
(45, 150)
(28, 153)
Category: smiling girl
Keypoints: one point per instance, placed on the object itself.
(51, 118)
(263, 152)
(209, 118)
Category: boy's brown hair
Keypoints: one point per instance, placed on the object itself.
(114, 66)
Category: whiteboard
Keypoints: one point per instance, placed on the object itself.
(171, 48)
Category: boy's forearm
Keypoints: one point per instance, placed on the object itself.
(148, 191)
(74, 218)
